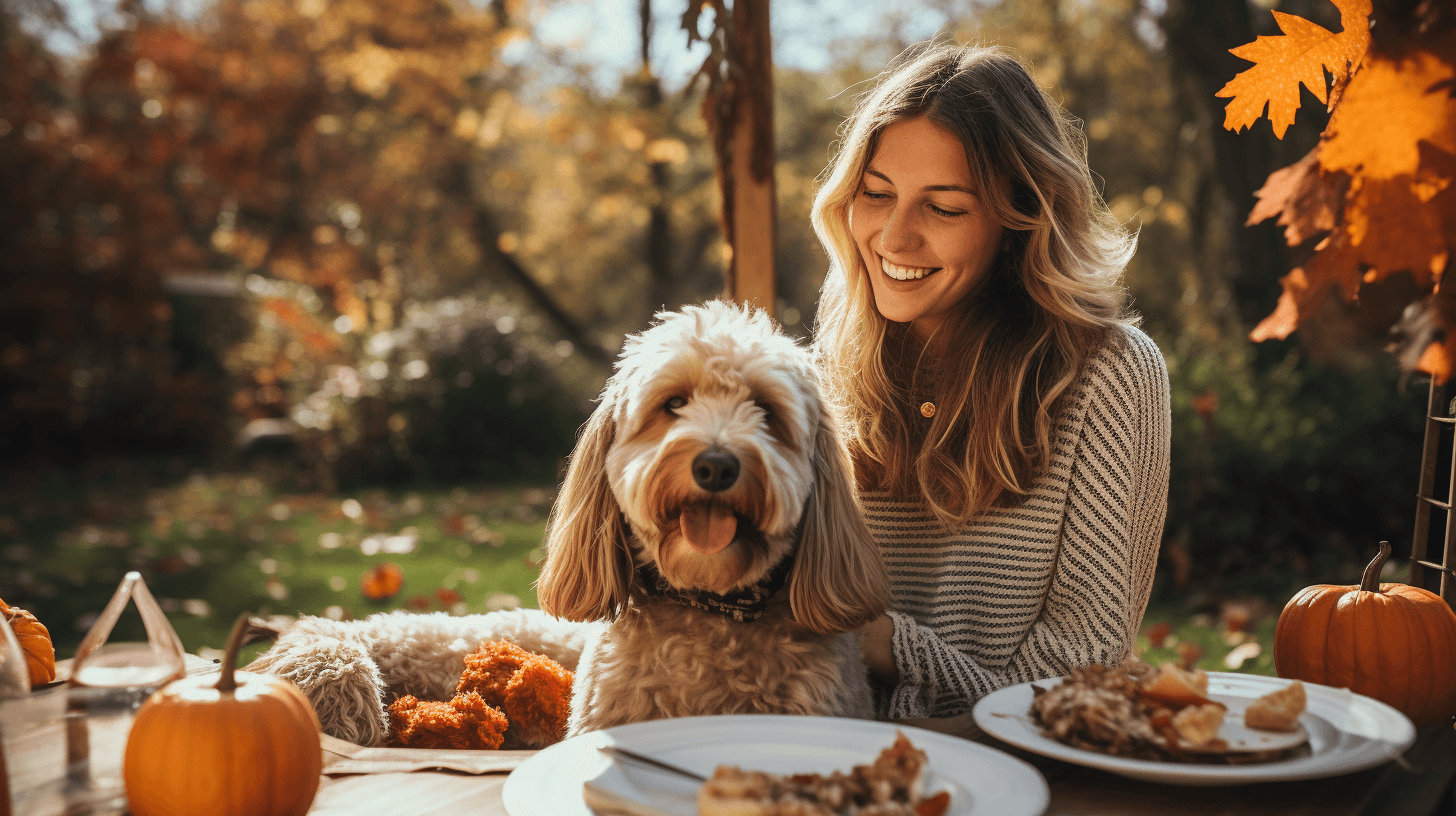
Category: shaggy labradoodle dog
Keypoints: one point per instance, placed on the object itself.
(709, 514)
(706, 554)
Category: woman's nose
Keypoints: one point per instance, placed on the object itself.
(899, 234)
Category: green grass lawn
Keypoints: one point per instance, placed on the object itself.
(1241, 638)
(214, 546)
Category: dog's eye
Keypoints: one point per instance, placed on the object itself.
(673, 404)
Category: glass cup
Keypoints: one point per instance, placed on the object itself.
(108, 683)
(14, 684)
(14, 673)
(34, 736)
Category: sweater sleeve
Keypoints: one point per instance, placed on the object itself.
(1107, 553)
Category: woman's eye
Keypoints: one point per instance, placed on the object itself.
(875, 195)
(674, 403)
(944, 212)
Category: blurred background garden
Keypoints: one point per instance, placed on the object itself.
(292, 290)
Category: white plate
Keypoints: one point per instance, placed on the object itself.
(982, 781)
(1348, 732)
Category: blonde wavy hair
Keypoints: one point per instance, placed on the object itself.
(1020, 339)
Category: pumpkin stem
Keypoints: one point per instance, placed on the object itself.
(230, 654)
(1370, 581)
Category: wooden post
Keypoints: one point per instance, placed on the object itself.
(749, 183)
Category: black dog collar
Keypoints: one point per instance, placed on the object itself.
(746, 604)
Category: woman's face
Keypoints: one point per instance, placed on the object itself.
(924, 234)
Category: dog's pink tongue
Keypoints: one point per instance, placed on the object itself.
(708, 528)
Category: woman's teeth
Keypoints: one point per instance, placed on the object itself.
(905, 272)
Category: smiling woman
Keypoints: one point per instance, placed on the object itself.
(1009, 424)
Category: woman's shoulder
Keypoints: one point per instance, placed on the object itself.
(1126, 349)
(1125, 365)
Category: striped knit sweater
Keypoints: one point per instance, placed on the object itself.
(1061, 580)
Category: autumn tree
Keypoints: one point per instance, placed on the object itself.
(331, 168)
(1369, 210)
(86, 359)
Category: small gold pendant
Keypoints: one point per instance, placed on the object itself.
(927, 409)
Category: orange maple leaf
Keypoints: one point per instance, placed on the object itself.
(1436, 361)
(1392, 231)
(1392, 106)
(1306, 287)
(1301, 54)
(1308, 201)
(1422, 339)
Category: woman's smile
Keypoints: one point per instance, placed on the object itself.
(905, 273)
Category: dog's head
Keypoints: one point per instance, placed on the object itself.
(712, 456)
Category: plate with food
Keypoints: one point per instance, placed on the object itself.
(1196, 728)
(743, 764)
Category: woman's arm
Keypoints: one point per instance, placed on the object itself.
(875, 644)
(1103, 575)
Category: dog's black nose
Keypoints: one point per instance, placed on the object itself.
(715, 470)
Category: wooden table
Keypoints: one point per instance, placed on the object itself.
(1421, 788)
(1389, 790)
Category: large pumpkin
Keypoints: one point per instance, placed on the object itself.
(1393, 642)
(35, 642)
(243, 745)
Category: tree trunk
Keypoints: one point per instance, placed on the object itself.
(748, 180)
(658, 250)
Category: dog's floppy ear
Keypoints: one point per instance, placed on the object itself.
(588, 569)
(839, 582)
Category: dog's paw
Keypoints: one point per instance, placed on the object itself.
(339, 678)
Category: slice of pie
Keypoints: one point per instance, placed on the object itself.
(893, 785)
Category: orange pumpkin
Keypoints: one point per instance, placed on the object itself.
(245, 744)
(1393, 642)
(382, 581)
(35, 642)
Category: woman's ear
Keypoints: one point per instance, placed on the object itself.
(588, 569)
(839, 582)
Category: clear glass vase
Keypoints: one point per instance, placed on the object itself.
(14, 673)
(14, 683)
(108, 683)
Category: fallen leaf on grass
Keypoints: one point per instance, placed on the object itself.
(382, 581)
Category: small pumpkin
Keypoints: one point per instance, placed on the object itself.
(382, 581)
(35, 642)
(245, 744)
(1393, 642)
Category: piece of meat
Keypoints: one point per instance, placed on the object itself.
(466, 721)
(533, 690)
(488, 670)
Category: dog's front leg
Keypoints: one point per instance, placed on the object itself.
(584, 692)
(609, 689)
